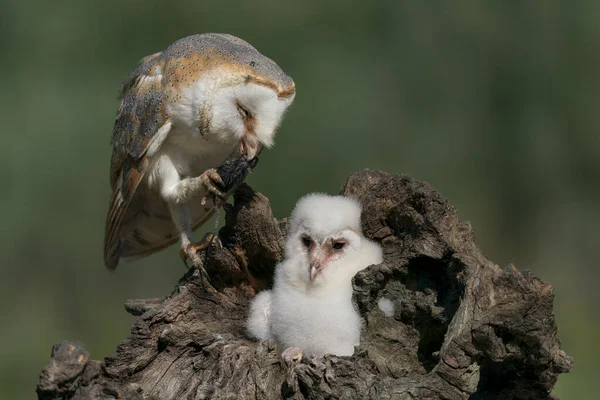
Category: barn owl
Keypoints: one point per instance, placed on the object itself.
(310, 310)
(185, 111)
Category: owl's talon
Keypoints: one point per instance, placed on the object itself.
(217, 242)
(291, 356)
(190, 251)
(203, 275)
(213, 183)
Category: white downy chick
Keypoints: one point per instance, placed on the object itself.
(310, 307)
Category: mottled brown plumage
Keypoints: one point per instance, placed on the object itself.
(183, 112)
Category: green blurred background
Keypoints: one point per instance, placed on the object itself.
(495, 104)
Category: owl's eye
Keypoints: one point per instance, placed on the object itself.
(338, 245)
(243, 111)
(306, 241)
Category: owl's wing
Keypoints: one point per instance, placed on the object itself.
(141, 126)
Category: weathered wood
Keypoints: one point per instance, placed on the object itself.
(457, 326)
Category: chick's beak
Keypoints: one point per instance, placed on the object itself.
(315, 268)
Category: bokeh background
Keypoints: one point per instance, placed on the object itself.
(496, 104)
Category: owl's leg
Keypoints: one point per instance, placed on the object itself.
(189, 250)
(208, 183)
(177, 193)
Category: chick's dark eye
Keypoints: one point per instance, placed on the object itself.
(339, 245)
(306, 241)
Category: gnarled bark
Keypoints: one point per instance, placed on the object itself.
(455, 325)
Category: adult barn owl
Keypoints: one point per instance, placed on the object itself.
(184, 111)
(310, 310)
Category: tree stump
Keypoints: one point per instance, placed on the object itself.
(440, 320)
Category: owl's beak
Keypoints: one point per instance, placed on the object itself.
(248, 147)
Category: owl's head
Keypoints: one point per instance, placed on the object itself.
(250, 113)
(326, 242)
(241, 94)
